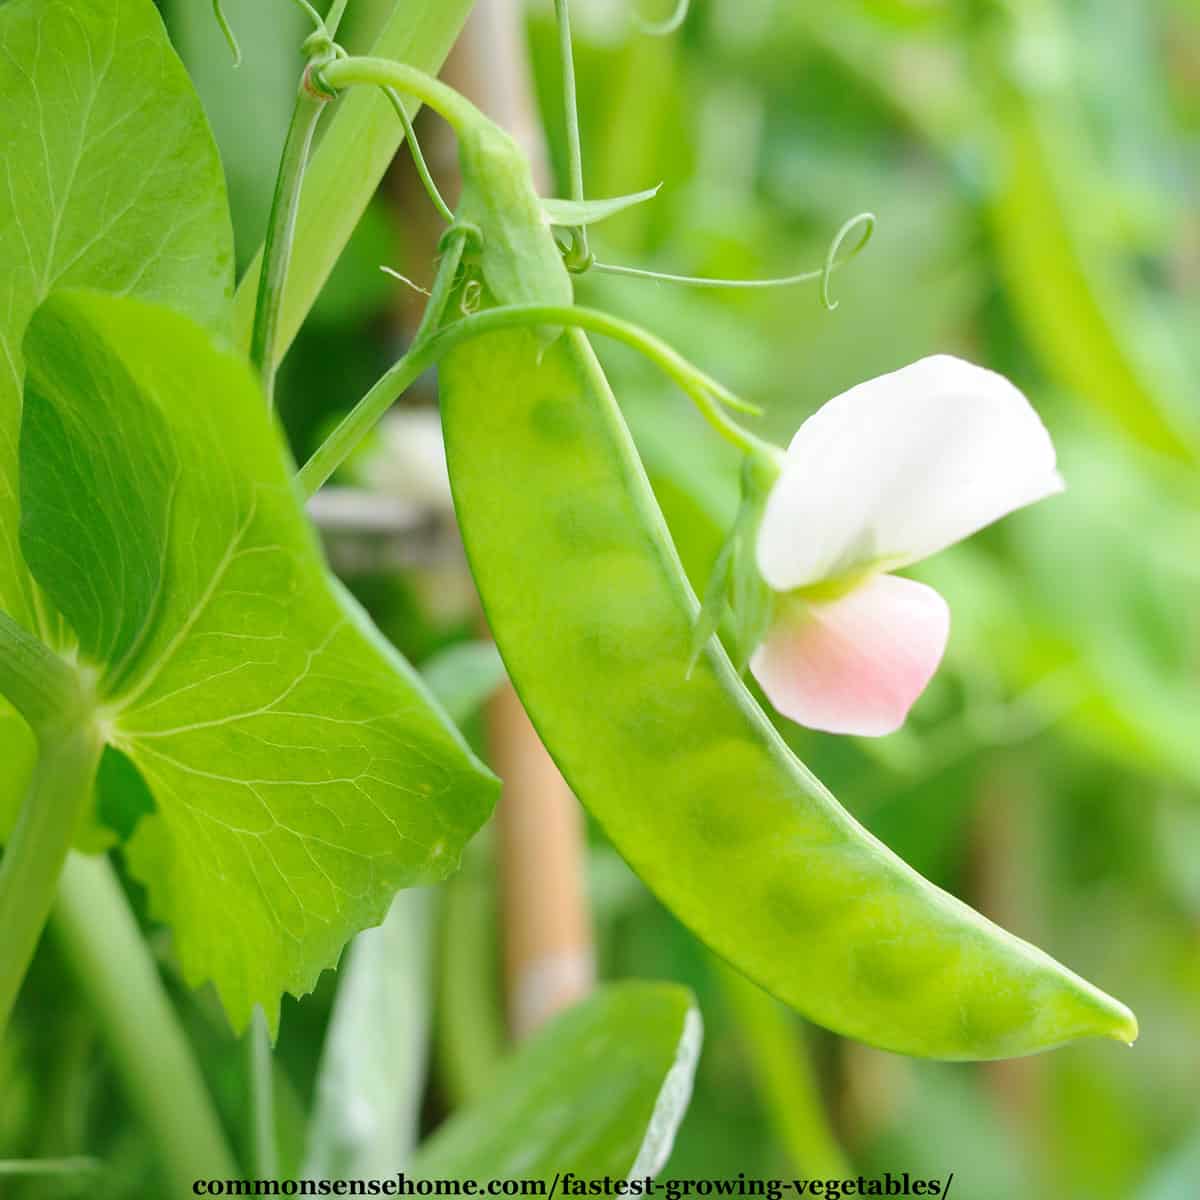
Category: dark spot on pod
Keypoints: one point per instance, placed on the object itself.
(559, 417)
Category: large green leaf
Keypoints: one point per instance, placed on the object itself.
(598, 1092)
(111, 181)
(300, 771)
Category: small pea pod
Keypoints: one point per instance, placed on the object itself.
(519, 259)
(594, 618)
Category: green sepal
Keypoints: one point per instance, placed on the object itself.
(753, 600)
(716, 598)
(736, 582)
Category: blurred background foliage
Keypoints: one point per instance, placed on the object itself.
(1033, 165)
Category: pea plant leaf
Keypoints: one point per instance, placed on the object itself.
(588, 212)
(111, 180)
(300, 771)
(600, 1091)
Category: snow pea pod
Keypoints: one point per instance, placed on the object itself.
(593, 615)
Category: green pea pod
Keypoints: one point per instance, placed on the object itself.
(594, 618)
(519, 258)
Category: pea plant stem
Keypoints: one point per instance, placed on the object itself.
(104, 947)
(418, 157)
(68, 756)
(469, 1035)
(35, 680)
(333, 18)
(262, 1096)
(383, 73)
(366, 413)
(781, 1063)
(443, 285)
(566, 56)
(707, 394)
(281, 228)
(50, 695)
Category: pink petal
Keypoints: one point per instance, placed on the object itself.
(855, 664)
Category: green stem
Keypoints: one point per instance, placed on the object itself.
(384, 73)
(227, 32)
(281, 229)
(105, 949)
(362, 418)
(866, 219)
(469, 1035)
(780, 1061)
(262, 1096)
(36, 682)
(580, 253)
(333, 18)
(443, 285)
(423, 171)
(63, 776)
(706, 393)
(311, 13)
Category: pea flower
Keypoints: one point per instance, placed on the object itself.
(883, 476)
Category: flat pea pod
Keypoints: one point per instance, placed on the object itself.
(593, 616)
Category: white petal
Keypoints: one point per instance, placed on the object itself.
(900, 467)
(856, 664)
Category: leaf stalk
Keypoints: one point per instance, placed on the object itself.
(116, 972)
(40, 685)
(62, 783)
(281, 230)
(711, 397)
